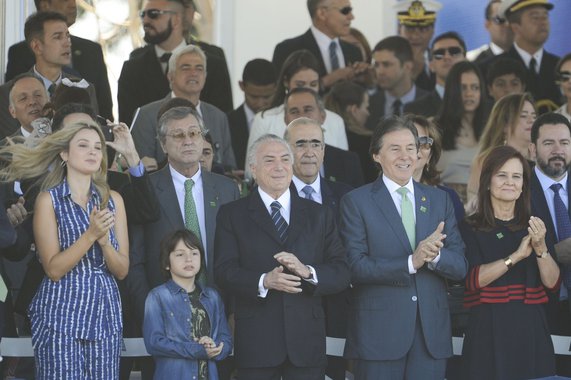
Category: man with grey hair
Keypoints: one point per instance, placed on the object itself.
(188, 197)
(278, 254)
(143, 77)
(187, 74)
(27, 98)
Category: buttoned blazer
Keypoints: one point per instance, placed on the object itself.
(145, 272)
(280, 325)
(307, 41)
(87, 61)
(145, 129)
(386, 298)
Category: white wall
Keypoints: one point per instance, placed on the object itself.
(250, 29)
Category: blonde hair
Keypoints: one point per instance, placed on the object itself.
(44, 165)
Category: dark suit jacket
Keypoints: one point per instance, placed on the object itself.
(240, 133)
(280, 325)
(426, 106)
(87, 62)
(342, 166)
(383, 290)
(485, 55)
(145, 273)
(307, 41)
(377, 106)
(143, 81)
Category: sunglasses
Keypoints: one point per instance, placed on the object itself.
(425, 142)
(344, 11)
(154, 14)
(564, 76)
(498, 20)
(454, 51)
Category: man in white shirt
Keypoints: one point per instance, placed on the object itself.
(501, 35)
(27, 99)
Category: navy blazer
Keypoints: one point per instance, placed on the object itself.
(281, 325)
(306, 41)
(387, 300)
(342, 166)
(377, 106)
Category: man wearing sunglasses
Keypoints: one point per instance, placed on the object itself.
(338, 59)
(447, 50)
(143, 78)
(501, 36)
(416, 24)
(86, 58)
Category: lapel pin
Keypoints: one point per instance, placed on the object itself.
(500, 235)
(212, 204)
(422, 208)
(77, 52)
(423, 199)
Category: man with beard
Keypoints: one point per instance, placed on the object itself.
(550, 199)
(143, 77)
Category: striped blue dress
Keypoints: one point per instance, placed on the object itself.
(84, 305)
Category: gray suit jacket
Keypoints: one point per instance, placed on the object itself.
(145, 273)
(145, 129)
(386, 298)
(9, 125)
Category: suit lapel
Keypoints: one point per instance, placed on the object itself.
(211, 205)
(422, 210)
(388, 209)
(260, 215)
(166, 195)
(297, 218)
(311, 43)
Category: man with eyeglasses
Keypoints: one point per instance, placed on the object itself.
(529, 21)
(501, 36)
(143, 77)
(86, 57)
(305, 137)
(338, 59)
(416, 24)
(447, 50)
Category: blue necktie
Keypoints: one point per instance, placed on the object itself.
(563, 226)
(279, 221)
(308, 190)
(333, 56)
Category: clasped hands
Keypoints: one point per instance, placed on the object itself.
(428, 249)
(210, 346)
(100, 222)
(285, 282)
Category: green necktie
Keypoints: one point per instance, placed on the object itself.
(190, 216)
(407, 216)
(3, 290)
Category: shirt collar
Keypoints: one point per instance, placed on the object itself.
(160, 51)
(496, 50)
(47, 82)
(546, 181)
(440, 90)
(284, 199)
(180, 179)
(527, 57)
(249, 115)
(323, 41)
(392, 186)
(66, 191)
(405, 99)
(299, 184)
(24, 132)
(174, 288)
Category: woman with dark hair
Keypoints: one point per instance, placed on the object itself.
(301, 69)
(351, 101)
(563, 75)
(510, 273)
(185, 326)
(461, 119)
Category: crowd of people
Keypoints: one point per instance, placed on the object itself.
(392, 196)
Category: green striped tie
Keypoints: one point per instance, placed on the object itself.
(3, 290)
(190, 216)
(407, 216)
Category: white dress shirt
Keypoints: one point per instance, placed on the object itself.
(316, 185)
(538, 55)
(546, 182)
(323, 42)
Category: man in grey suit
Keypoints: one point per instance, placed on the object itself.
(180, 134)
(399, 325)
(187, 75)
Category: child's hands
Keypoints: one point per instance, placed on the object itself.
(210, 346)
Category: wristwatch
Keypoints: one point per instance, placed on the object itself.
(543, 255)
(508, 261)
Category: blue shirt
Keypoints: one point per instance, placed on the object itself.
(85, 302)
(167, 332)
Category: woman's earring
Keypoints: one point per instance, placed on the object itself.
(63, 163)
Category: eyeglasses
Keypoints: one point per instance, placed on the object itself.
(564, 76)
(154, 14)
(312, 144)
(425, 142)
(344, 11)
(454, 51)
(193, 134)
(498, 20)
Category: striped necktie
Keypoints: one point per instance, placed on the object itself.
(279, 221)
(190, 216)
(333, 56)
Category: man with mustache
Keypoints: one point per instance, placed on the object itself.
(550, 199)
(143, 77)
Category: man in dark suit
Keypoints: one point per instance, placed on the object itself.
(529, 21)
(501, 36)
(402, 242)
(259, 85)
(86, 60)
(278, 254)
(393, 62)
(305, 138)
(143, 77)
(187, 74)
(27, 98)
(551, 148)
(446, 50)
(180, 134)
(337, 59)
(48, 37)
